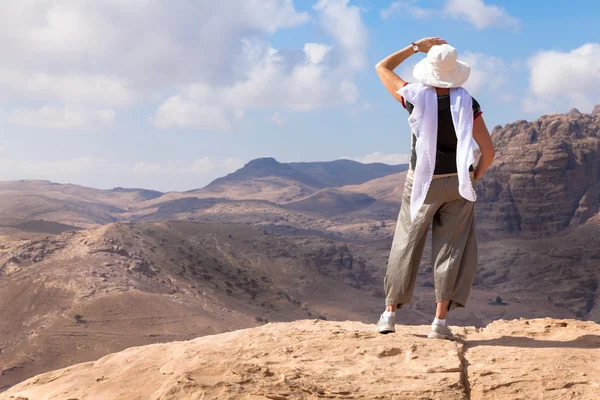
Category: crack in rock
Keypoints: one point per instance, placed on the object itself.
(464, 371)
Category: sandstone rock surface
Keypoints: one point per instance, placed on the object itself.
(307, 359)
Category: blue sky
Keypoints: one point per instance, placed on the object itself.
(144, 94)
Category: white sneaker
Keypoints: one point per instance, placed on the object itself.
(442, 332)
(386, 324)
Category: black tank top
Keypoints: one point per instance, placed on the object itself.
(445, 157)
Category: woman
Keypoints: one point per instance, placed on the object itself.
(444, 120)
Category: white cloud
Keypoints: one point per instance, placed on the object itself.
(74, 88)
(99, 172)
(409, 7)
(487, 73)
(270, 83)
(477, 12)
(65, 118)
(150, 38)
(344, 24)
(561, 80)
(277, 119)
(270, 80)
(507, 97)
(177, 112)
(81, 89)
(315, 52)
(114, 54)
(480, 14)
(200, 166)
(265, 78)
(378, 157)
(362, 108)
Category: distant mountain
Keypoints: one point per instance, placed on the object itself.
(143, 194)
(72, 205)
(331, 201)
(256, 193)
(281, 183)
(374, 200)
(267, 167)
(315, 174)
(346, 172)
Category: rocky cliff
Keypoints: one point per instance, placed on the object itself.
(307, 359)
(546, 175)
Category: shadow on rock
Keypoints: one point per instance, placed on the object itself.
(582, 342)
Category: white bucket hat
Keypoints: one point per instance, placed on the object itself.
(441, 68)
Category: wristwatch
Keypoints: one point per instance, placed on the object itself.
(415, 47)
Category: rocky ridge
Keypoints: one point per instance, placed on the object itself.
(545, 178)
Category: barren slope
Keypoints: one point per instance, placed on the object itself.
(560, 271)
(366, 211)
(24, 201)
(80, 295)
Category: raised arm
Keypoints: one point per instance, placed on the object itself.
(486, 146)
(385, 68)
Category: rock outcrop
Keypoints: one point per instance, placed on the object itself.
(545, 178)
(519, 359)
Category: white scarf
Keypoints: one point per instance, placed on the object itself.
(424, 124)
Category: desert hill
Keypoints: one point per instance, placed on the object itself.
(346, 172)
(364, 211)
(268, 179)
(316, 174)
(332, 202)
(287, 197)
(559, 271)
(267, 166)
(261, 179)
(518, 359)
(73, 205)
(350, 199)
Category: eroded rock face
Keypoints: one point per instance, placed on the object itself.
(545, 178)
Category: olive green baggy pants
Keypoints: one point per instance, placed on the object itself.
(454, 245)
